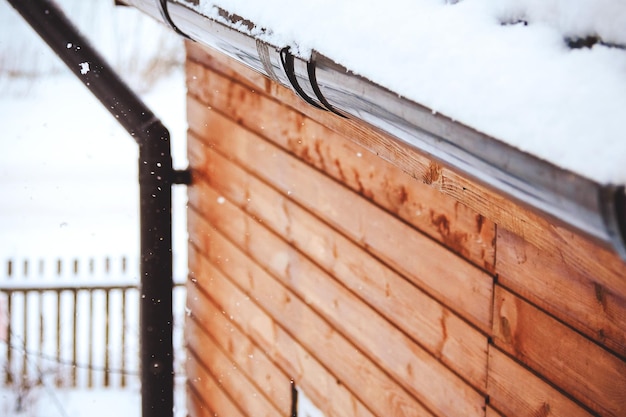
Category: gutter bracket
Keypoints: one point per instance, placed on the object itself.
(310, 66)
(264, 55)
(182, 176)
(287, 60)
(165, 14)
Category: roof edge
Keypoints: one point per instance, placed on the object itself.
(569, 199)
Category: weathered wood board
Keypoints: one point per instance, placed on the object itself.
(588, 372)
(327, 253)
(213, 331)
(539, 231)
(437, 271)
(439, 330)
(449, 221)
(289, 325)
(588, 297)
(517, 392)
(206, 392)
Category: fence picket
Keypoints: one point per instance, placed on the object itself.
(9, 375)
(90, 326)
(123, 361)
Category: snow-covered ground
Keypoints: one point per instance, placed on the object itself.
(68, 172)
(46, 402)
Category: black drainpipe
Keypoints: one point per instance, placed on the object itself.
(156, 177)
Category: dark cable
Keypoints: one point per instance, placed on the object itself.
(287, 60)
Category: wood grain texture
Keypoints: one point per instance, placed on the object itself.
(297, 338)
(429, 265)
(195, 403)
(432, 325)
(328, 199)
(308, 374)
(441, 217)
(420, 373)
(413, 163)
(592, 300)
(569, 360)
(210, 396)
(490, 412)
(544, 233)
(231, 376)
(516, 392)
(213, 328)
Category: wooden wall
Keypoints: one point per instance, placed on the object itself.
(381, 283)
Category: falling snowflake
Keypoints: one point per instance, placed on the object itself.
(84, 67)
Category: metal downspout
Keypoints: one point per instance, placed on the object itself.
(156, 177)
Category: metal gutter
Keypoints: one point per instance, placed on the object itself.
(595, 210)
(156, 177)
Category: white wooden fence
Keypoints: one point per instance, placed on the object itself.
(73, 322)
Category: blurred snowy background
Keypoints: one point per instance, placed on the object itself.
(68, 176)
(64, 159)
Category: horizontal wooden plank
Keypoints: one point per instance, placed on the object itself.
(208, 390)
(301, 366)
(195, 404)
(447, 277)
(230, 375)
(588, 300)
(304, 369)
(592, 375)
(544, 233)
(432, 325)
(437, 387)
(570, 248)
(490, 412)
(516, 392)
(436, 214)
(296, 338)
(410, 161)
(214, 328)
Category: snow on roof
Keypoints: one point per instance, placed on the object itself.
(503, 67)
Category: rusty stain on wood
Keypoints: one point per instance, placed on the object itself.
(307, 136)
(600, 295)
(505, 328)
(354, 217)
(355, 270)
(314, 250)
(444, 334)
